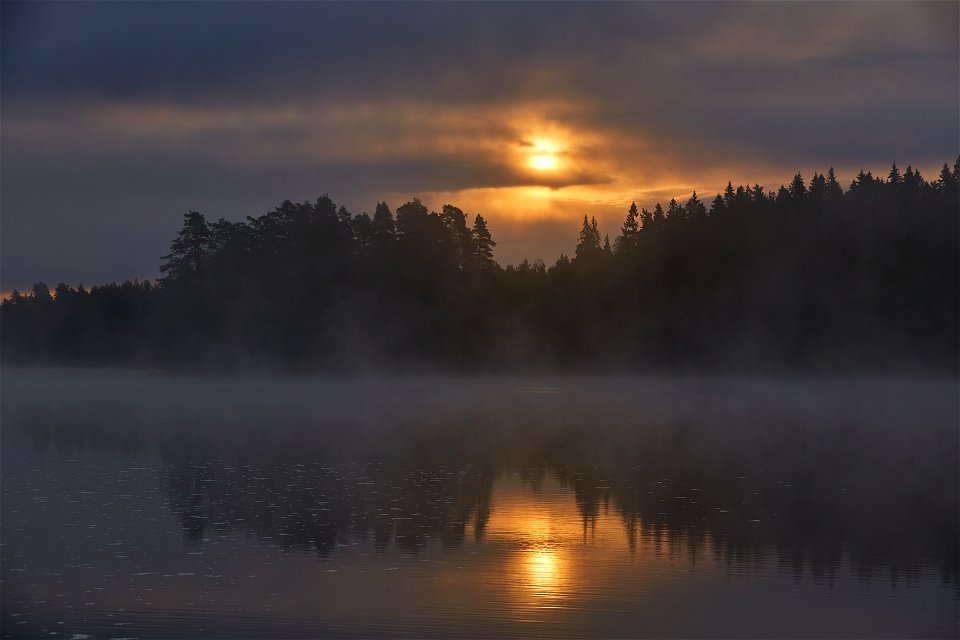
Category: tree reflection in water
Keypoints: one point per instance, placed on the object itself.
(811, 478)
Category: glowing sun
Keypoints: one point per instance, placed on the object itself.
(543, 155)
(543, 162)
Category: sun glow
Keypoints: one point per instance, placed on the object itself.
(543, 155)
(544, 162)
(544, 572)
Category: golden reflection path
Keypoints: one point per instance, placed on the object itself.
(555, 559)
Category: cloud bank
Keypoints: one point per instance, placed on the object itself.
(118, 117)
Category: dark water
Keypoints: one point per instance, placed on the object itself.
(138, 506)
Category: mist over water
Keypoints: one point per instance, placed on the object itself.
(141, 505)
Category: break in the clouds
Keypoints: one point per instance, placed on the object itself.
(118, 117)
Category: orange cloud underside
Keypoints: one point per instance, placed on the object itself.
(519, 164)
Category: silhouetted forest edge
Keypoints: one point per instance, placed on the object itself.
(808, 278)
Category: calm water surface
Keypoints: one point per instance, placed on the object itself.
(144, 506)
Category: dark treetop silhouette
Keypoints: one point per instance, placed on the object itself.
(809, 277)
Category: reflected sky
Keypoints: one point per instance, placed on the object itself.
(202, 507)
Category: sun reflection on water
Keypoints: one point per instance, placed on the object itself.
(544, 531)
(544, 572)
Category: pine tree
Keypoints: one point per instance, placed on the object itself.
(345, 218)
(41, 292)
(362, 227)
(324, 208)
(483, 244)
(456, 224)
(411, 217)
(185, 264)
(383, 227)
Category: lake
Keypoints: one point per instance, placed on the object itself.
(139, 505)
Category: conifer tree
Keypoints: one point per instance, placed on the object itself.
(456, 224)
(728, 194)
(798, 189)
(694, 208)
(834, 192)
(629, 232)
(483, 244)
(893, 178)
(718, 206)
(675, 212)
(947, 178)
(658, 215)
(411, 217)
(41, 292)
(589, 241)
(383, 225)
(186, 261)
(646, 219)
(783, 196)
(818, 189)
(362, 227)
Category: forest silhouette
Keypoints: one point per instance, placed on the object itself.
(806, 278)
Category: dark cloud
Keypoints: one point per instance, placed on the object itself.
(197, 51)
(120, 116)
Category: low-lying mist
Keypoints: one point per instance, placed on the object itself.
(815, 468)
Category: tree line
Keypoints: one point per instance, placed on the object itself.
(809, 277)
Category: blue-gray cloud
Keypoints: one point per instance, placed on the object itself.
(120, 116)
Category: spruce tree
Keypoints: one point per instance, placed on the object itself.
(646, 219)
(589, 241)
(718, 206)
(834, 192)
(694, 208)
(893, 178)
(798, 189)
(658, 215)
(629, 232)
(728, 194)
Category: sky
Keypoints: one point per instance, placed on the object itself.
(119, 117)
